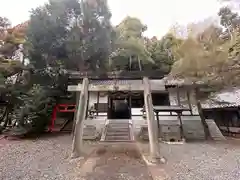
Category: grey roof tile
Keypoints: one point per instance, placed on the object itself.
(226, 98)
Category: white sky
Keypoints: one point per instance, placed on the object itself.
(158, 15)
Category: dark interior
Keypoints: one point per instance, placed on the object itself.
(119, 106)
(160, 99)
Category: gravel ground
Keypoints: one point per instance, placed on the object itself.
(201, 161)
(47, 158)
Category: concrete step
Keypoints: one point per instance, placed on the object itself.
(118, 141)
(122, 138)
(116, 133)
(119, 124)
(118, 130)
(116, 127)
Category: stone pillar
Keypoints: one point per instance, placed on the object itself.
(78, 93)
(152, 129)
(80, 117)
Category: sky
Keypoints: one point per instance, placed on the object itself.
(158, 15)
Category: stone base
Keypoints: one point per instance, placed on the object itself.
(90, 133)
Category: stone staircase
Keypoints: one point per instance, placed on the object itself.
(215, 132)
(117, 131)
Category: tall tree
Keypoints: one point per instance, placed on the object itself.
(229, 19)
(130, 48)
(161, 52)
(4, 25)
(47, 32)
(69, 29)
(200, 58)
(90, 39)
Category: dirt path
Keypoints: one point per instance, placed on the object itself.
(115, 162)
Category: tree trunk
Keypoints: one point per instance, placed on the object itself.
(152, 129)
(6, 122)
(77, 146)
(231, 34)
(3, 116)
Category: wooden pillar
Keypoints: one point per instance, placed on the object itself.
(158, 124)
(80, 117)
(86, 112)
(178, 97)
(98, 97)
(200, 111)
(152, 129)
(181, 125)
(189, 102)
(130, 105)
(179, 114)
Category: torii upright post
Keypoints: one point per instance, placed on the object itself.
(80, 117)
(152, 129)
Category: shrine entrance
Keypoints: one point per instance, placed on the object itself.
(119, 106)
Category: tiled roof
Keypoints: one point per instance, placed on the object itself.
(155, 82)
(230, 98)
(170, 81)
(116, 82)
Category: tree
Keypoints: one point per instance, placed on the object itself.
(200, 58)
(210, 58)
(47, 32)
(229, 20)
(130, 48)
(234, 4)
(161, 52)
(69, 29)
(4, 25)
(13, 37)
(90, 39)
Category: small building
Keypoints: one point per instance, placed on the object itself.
(224, 108)
(109, 91)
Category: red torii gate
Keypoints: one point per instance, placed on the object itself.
(63, 108)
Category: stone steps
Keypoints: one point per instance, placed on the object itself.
(117, 131)
(90, 132)
(117, 138)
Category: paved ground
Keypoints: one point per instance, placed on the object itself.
(43, 159)
(201, 161)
